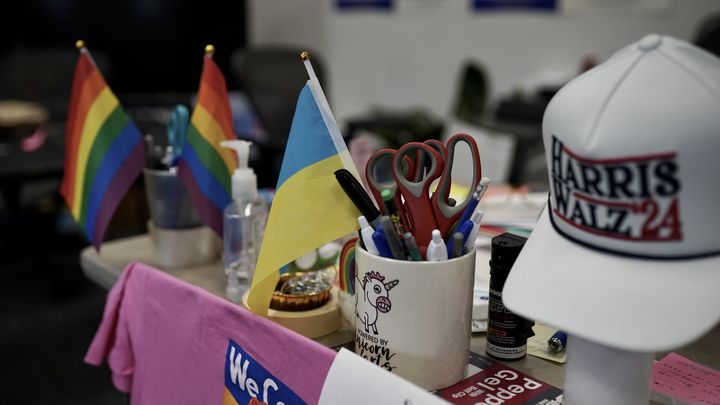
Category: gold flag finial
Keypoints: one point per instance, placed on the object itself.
(79, 44)
(304, 55)
(209, 49)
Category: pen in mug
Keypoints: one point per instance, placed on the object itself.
(475, 219)
(381, 243)
(464, 230)
(356, 193)
(474, 199)
(457, 244)
(396, 246)
(366, 233)
(393, 211)
(436, 249)
(412, 247)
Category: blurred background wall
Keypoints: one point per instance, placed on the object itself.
(411, 55)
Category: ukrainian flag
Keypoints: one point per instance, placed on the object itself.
(309, 208)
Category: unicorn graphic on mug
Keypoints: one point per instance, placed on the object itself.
(374, 299)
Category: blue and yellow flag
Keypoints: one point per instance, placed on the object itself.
(309, 208)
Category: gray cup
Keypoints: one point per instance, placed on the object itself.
(169, 202)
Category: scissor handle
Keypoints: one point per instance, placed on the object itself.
(376, 187)
(446, 215)
(420, 162)
(437, 145)
(416, 194)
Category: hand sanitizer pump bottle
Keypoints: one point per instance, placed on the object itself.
(243, 224)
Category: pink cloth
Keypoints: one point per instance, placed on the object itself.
(167, 342)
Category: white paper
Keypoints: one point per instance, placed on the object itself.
(354, 380)
(538, 345)
(497, 151)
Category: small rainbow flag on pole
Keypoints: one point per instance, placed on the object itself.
(103, 150)
(204, 167)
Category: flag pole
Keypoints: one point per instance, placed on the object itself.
(80, 45)
(327, 115)
(305, 57)
(209, 51)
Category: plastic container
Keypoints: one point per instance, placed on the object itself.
(244, 222)
(168, 200)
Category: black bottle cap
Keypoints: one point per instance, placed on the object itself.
(505, 249)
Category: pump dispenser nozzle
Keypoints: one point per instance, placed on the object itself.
(244, 181)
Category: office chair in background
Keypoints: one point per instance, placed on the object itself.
(272, 79)
(472, 93)
(707, 34)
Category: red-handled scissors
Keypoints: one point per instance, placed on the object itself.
(409, 174)
(416, 193)
(447, 215)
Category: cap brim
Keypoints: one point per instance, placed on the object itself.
(626, 303)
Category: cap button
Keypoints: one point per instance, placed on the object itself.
(650, 42)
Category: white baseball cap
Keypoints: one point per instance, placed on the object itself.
(627, 252)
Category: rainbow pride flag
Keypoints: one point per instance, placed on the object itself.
(204, 167)
(103, 151)
(309, 208)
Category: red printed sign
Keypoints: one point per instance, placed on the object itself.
(498, 384)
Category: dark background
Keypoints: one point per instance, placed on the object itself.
(155, 44)
(150, 52)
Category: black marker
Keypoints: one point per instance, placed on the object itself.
(356, 193)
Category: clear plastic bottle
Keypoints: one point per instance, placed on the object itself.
(244, 222)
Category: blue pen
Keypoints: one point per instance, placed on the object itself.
(474, 200)
(464, 229)
(470, 240)
(557, 342)
(381, 243)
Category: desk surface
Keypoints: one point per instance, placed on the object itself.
(105, 268)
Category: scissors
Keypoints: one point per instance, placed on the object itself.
(409, 174)
(446, 214)
(177, 128)
(416, 193)
(378, 171)
(426, 213)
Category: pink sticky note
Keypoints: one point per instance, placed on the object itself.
(683, 379)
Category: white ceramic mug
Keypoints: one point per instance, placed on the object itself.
(414, 318)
